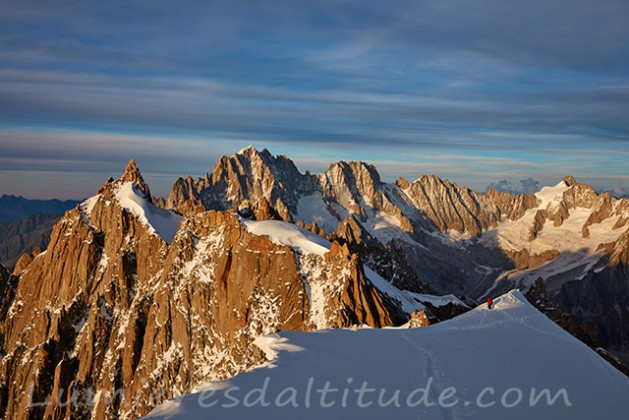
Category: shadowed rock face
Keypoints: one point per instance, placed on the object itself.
(7, 292)
(601, 299)
(114, 316)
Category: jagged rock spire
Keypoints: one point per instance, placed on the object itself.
(569, 180)
(133, 174)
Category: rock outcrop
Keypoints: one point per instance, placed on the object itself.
(451, 207)
(25, 260)
(246, 180)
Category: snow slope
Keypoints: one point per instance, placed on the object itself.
(550, 197)
(306, 242)
(512, 348)
(158, 221)
(283, 233)
(312, 208)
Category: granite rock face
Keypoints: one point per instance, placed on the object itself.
(112, 318)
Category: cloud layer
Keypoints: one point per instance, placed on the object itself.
(476, 91)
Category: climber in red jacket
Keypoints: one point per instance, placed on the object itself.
(490, 303)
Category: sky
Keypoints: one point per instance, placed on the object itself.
(477, 91)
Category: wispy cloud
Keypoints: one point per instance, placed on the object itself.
(471, 90)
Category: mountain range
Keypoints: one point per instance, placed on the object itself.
(136, 301)
(13, 208)
(25, 225)
(448, 238)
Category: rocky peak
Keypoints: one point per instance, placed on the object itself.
(25, 259)
(249, 151)
(569, 180)
(110, 308)
(433, 181)
(250, 156)
(619, 255)
(579, 195)
(362, 172)
(132, 174)
(351, 183)
(352, 231)
(512, 205)
(247, 178)
(451, 207)
(402, 183)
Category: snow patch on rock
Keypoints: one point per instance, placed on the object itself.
(288, 234)
(158, 221)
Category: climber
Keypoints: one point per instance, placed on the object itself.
(490, 303)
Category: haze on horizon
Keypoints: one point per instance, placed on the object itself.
(474, 91)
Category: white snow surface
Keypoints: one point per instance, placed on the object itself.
(550, 197)
(306, 242)
(439, 301)
(407, 299)
(515, 234)
(161, 222)
(312, 208)
(510, 346)
(289, 234)
(567, 237)
(88, 205)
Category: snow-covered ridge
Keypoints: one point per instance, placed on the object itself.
(438, 301)
(245, 149)
(88, 205)
(550, 197)
(161, 222)
(288, 234)
(312, 208)
(516, 234)
(511, 348)
(306, 242)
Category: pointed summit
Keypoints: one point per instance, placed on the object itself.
(132, 174)
(250, 152)
(569, 180)
(246, 150)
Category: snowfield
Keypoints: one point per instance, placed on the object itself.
(161, 222)
(306, 242)
(510, 362)
(288, 234)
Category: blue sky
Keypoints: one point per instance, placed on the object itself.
(473, 90)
